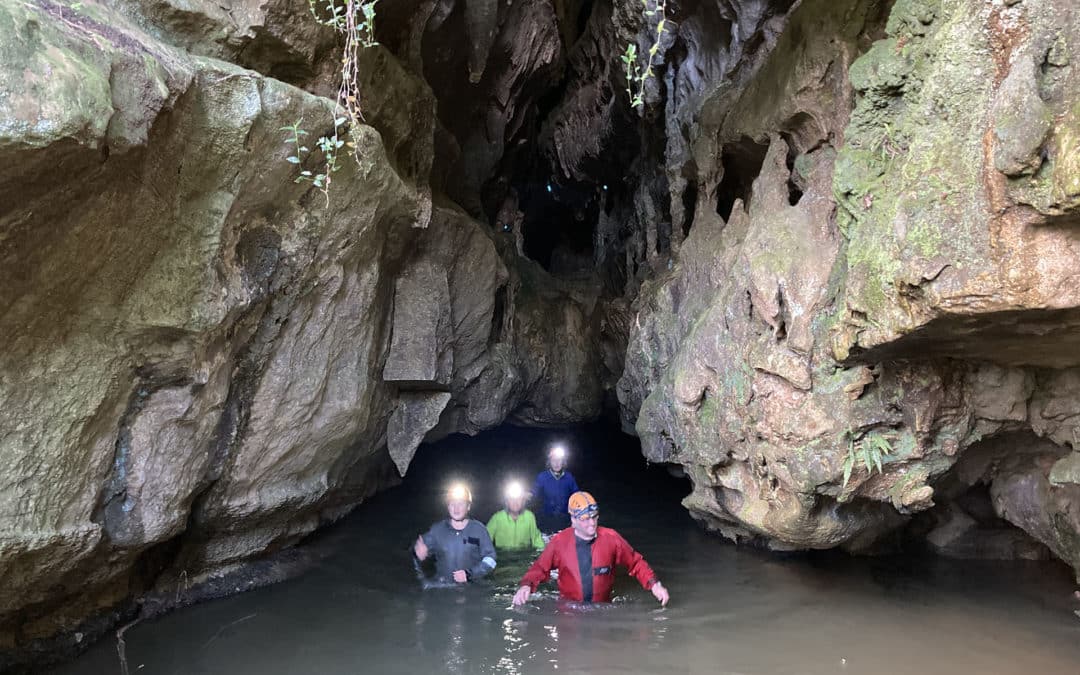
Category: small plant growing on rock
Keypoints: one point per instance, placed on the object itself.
(869, 450)
(328, 145)
(355, 19)
(636, 75)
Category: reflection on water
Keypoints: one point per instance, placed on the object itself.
(362, 609)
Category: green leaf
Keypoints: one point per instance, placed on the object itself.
(304, 148)
(877, 461)
(849, 464)
(867, 462)
(293, 159)
(339, 121)
(305, 173)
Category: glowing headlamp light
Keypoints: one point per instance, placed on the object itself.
(557, 452)
(514, 490)
(458, 493)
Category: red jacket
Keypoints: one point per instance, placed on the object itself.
(608, 550)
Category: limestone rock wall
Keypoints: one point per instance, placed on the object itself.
(204, 361)
(896, 284)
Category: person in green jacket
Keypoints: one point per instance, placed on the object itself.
(514, 528)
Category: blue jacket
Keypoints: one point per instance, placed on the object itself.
(554, 493)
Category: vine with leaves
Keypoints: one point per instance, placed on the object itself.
(355, 20)
(636, 75)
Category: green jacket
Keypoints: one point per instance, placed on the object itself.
(508, 533)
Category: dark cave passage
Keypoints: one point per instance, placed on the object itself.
(559, 224)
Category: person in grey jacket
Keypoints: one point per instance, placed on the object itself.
(462, 547)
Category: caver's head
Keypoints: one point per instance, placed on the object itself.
(514, 495)
(557, 458)
(458, 501)
(584, 514)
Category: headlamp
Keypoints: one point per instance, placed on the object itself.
(458, 493)
(514, 490)
(557, 452)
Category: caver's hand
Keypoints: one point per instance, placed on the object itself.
(420, 549)
(660, 593)
(522, 595)
(460, 576)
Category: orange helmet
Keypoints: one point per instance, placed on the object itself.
(582, 503)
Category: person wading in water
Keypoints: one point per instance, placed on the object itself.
(462, 548)
(514, 528)
(553, 488)
(586, 556)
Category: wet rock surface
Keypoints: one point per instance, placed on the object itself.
(893, 290)
(204, 360)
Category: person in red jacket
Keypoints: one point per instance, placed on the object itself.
(586, 556)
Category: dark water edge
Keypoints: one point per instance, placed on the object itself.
(360, 608)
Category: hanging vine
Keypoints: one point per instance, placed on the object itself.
(355, 20)
(636, 74)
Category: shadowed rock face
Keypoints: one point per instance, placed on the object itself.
(833, 272)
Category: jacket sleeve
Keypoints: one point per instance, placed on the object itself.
(538, 489)
(633, 561)
(431, 540)
(540, 570)
(537, 539)
(487, 556)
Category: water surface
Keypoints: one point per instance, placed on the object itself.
(362, 610)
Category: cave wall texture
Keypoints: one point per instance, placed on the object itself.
(204, 361)
(835, 227)
(902, 273)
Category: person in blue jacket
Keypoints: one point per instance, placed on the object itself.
(553, 488)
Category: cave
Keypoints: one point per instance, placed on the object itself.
(794, 282)
(559, 223)
(741, 162)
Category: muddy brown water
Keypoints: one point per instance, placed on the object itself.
(361, 609)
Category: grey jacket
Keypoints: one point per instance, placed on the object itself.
(469, 549)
